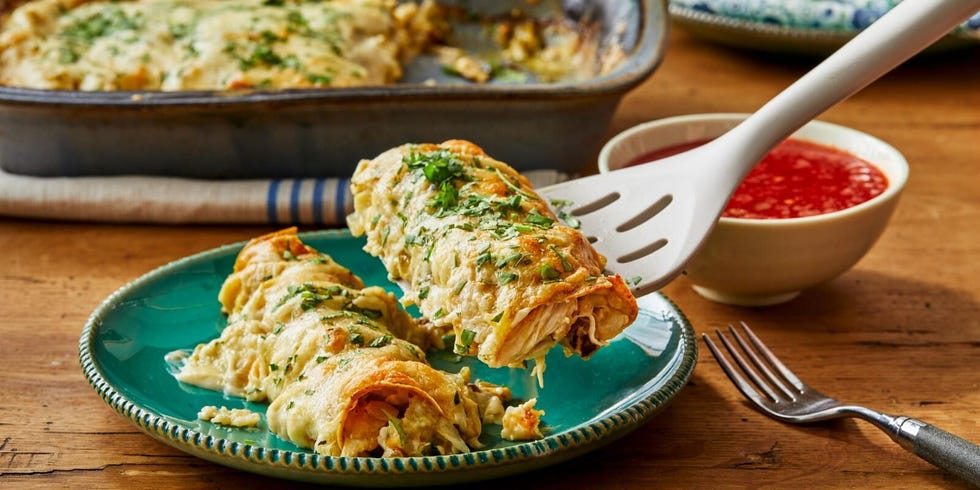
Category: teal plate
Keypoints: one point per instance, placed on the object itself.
(587, 403)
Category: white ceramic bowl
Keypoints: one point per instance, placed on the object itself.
(758, 262)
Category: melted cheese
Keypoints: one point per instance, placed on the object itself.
(210, 44)
(336, 360)
(522, 422)
(235, 417)
(484, 256)
(169, 45)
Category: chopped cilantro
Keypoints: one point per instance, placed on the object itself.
(466, 337)
(397, 425)
(296, 20)
(565, 264)
(465, 341)
(514, 258)
(312, 296)
(380, 341)
(512, 186)
(505, 277)
(384, 235)
(537, 219)
(67, 55)
(179, 30)
(413, 350)
(413, 239)
(570, 220)
(441, 168)
(548, 273)
(104, 22)
(483, 258)
(369, 313)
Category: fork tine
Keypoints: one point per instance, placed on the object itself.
(746, 368)
(773, 360)
(761, 366)
(741, 383)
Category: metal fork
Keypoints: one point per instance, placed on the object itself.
(778, 393)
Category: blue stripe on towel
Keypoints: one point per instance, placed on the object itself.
(318, 202)
(294, 201)
(338, 204)
(270, 202)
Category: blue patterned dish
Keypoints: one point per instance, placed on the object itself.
(123, 345)
(808, 26)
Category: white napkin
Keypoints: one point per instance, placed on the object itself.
(148, 199)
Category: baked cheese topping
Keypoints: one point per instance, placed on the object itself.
(483, 256)
(521, 423)
(210, 44)
(170, 45)
(342, 366)
(232, 417)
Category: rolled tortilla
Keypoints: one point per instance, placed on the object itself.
(333, 357)
(482, 254)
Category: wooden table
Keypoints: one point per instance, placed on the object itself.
(900, 331)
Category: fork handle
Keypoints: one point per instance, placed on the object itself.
(951, 453)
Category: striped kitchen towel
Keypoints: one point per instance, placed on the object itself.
(150, 199)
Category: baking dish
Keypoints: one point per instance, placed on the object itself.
(325, 132)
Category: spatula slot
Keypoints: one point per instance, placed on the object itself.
(596, 204)
(642, 252)
(645, 215)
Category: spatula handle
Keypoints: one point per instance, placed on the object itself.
(908, 28)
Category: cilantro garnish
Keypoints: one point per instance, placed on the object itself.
(442, 169)
(548, 273)
(505, 277)
(381, 341)
(565, 264)
(466, 338)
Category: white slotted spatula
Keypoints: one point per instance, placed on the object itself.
(649, 220)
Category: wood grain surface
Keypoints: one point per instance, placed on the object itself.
(899, 332)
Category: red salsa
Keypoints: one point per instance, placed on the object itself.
(796, 179)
